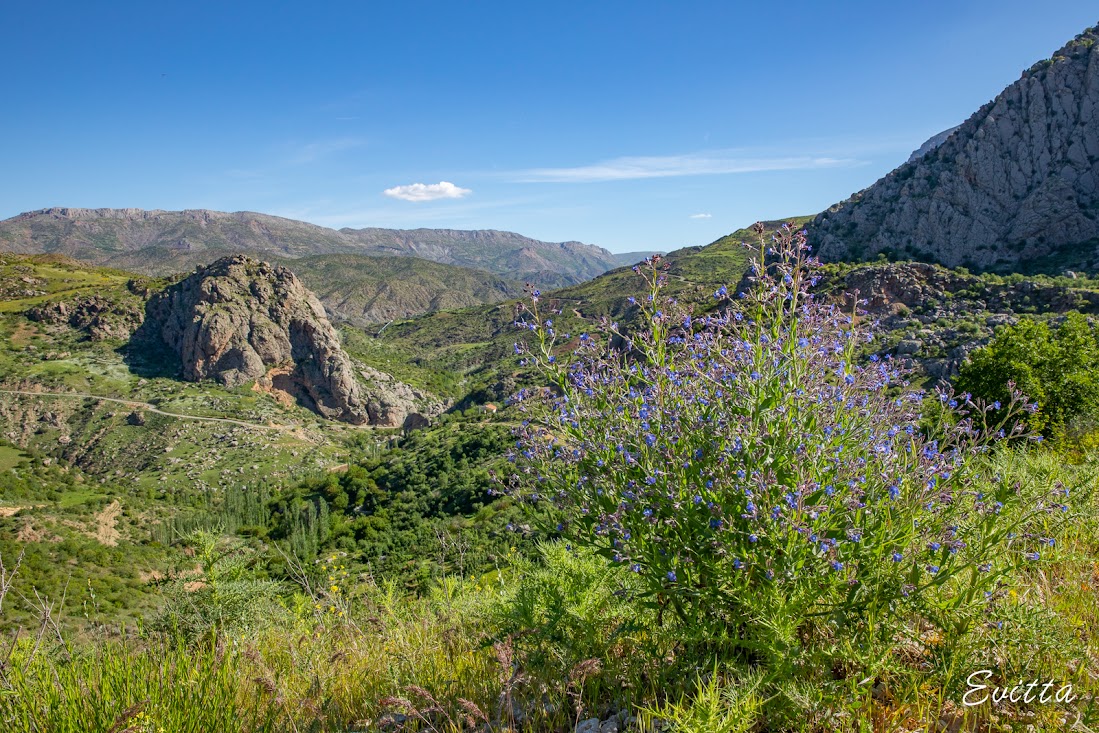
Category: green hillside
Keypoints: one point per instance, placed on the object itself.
(112, 466)
(373, 290)
(477, 343)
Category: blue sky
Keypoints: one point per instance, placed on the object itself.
(632, 125)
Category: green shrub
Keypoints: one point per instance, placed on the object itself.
(1057, 368)
(225, 598)
(571, 607)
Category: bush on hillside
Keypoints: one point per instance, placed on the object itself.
(1056, 367)
(764, 487)
(225, 599)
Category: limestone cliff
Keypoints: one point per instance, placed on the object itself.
(1016, 187)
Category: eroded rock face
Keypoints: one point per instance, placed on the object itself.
(395, 404)
(235, 319)
(1016, 187)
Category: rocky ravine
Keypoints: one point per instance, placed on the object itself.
(1014, 188)
(240, 320)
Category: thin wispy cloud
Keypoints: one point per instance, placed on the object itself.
(700, 216)
(665, 166)
(324, 148)
(427, 191)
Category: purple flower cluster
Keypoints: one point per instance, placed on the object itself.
(721, 451)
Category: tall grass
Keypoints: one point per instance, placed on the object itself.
(541, 646)
(115, 686)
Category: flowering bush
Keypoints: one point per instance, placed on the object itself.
(756, 475)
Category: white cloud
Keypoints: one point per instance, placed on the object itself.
(700, 216)
(427, 191)
(663, 166)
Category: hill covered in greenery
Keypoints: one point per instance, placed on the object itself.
(388, 580)
(366, 290)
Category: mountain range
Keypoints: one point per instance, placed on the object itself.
(164, 242)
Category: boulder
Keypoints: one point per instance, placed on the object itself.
(233, 320)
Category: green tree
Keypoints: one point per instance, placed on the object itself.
(1057, 368)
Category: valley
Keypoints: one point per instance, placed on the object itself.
(258, 474)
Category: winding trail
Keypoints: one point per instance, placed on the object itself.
(146, 406)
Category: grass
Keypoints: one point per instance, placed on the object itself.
(55, 277)
(10, 457)
(538, 646)
(70, 499)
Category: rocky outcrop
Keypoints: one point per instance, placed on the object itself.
(1016, 187)
(235, 319)
(98, 317)
(395, 404)
(932, 317)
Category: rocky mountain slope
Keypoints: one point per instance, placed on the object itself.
(1014, 188)
(163, 242)
(931, 143)
(933, 317)
(628, 259)
(549, 264)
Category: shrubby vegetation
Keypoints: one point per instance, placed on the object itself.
(722, 521)
(413, 514)
(758, 479)
(1055, 366)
